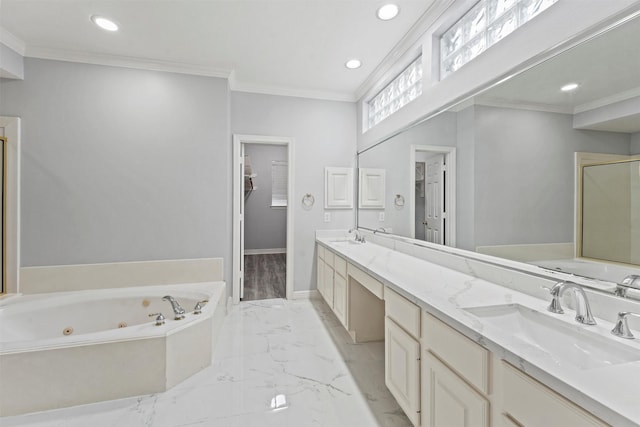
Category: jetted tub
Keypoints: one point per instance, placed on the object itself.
(71, 348)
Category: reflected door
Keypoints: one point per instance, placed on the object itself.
(434, 200)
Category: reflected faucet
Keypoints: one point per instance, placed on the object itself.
(632, 281)
(178, 311)
(583, 310)
(359, 237)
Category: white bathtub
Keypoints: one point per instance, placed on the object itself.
(114, 349)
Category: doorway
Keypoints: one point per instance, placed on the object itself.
(262, 218)
(10, 133)
(433, 172)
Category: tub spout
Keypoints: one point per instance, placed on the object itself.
(178, 311)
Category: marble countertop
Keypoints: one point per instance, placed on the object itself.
(609, 392)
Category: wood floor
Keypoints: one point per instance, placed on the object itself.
(264, 276)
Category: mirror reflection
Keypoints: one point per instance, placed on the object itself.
(611, 211)
(498, 174)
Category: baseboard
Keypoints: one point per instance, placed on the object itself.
(265, 251)
(312, 294)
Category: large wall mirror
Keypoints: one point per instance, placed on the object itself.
(499, 173)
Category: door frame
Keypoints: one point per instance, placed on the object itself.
(11, 251)
(450, 189)
(238, 181)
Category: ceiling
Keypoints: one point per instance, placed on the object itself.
(607, 68)
(293, 47)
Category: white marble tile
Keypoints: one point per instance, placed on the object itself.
(296, 349)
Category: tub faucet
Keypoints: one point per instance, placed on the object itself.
(583, 311)
(178, 311)
(632, 281)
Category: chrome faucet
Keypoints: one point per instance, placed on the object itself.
(622, 327)
(178, 311)
(359, 237)
(583, 311)
(632, 281)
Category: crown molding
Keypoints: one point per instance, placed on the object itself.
(407, 43)
(11, 41)
(238, 86)
(608, 100)
(518, 105)
(125, 62)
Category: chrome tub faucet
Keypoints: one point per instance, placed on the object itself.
(178, 311)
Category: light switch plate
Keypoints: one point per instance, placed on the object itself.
(327, 217)
(381, 216)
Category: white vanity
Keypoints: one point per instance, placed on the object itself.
(461, 350)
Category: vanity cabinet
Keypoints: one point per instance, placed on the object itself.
(455, 377)
(402, 353)
(528, 403)
(332, 281)
(340, 289)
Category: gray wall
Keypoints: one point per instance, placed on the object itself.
(524, 174)
(121, 164)
(264, 227)
(325, 135)
(393, 156)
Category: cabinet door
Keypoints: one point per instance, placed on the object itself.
(402, 369)
(327, 284)
(340, 297)
(320, 275)
(448, 401)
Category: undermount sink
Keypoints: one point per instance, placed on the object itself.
(567, 345)
(346, 242)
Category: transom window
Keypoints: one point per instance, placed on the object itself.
(406, 87)
(484, 25)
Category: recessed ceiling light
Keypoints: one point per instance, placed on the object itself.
(569, 87)
(388, 11)
(104, 23)
(352, 64)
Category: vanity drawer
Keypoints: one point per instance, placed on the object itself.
(531, 403)
(371, 284)
(469, 359)
(328, 257)
(321, 252)
(404, 312)
(340, 266)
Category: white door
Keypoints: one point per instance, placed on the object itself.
(241, 219)
(434, 200)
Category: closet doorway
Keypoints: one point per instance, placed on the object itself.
(433, 170)
(263, 237)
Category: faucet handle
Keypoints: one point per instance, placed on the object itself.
(622, 329)
(159, 318)
(555, 306)
(198, 308)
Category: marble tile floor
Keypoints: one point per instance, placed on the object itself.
(264, 276)
(278, 363)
